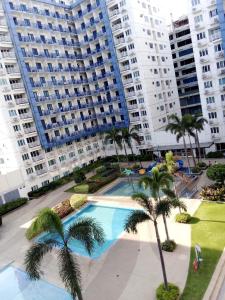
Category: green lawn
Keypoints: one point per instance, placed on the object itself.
(208, 230)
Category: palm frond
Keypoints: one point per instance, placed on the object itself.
(87, 231)
(136, 217)
(163, 207)
(34, 256)
(69, 272)
(169, 193)
(144, 201)
(177, 203)
(46, 220)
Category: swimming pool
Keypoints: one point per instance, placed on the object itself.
(112, 220)
(15, 285)
(126, 188)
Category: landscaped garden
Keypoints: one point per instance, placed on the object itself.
(208, 228)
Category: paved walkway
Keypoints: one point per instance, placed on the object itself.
(128, 270)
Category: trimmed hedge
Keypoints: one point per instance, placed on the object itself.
(215, 154)
(172, 293)
(214, 192)
(216, 172)
(7, 207)
(183, 218)
(76, 201)
(168, 246)
(50, 187)
(81, 188)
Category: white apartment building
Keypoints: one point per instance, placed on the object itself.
(71, 71)
(207, 23)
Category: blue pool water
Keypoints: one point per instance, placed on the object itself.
(125, 188)
(15, 285)
(112, 220)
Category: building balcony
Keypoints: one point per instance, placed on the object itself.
(132, 106)
(114, 12)
(26, 116)
(202, 42)
(211, 106)
(214, 21)
(21, 101)
(34, 144)
(130, 94)
(9, 54)
(125, 68)
(135, 119)
(53, 168)
(221, 72)
(199, 26)
(29, 130)
(204, 60)
(38, 158)
(215, 137)
(14, 70)
(123, 54)
(119, 41)
(213, 122)
(5, 39)
(42, 171)
(214, 37)
(220, 55)
(17, 85)
(196, 9)
(127, 81)
(208, 91)
(205, 76)
(117, 27)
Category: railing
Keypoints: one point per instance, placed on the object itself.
(42, 171)
(18, 85)
(29, 130)
(33, 144)
(25, 116)
(21, 101)
(37, 158)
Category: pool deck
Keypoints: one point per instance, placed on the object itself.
(130, 269)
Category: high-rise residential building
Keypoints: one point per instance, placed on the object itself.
(71, 71)
(184, 65)
(207, 24)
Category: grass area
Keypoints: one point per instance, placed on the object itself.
(208, 228)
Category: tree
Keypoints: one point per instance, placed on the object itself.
(152, 210)
(158, 184)
(188, 125)
(198, 125)
(114, 136)
(217, 173)
(86, 230)
(78, 175)
(177, 126)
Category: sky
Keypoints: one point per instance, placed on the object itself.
(176, 7)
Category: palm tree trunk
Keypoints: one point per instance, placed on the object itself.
(199, 149)
(192, 152)
(161, 255)
(185, 148)
(166, 228)
(125, 150)
(117, 155)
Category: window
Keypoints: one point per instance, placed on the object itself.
(198, 19)
(220, 64)
(222, 81)
(208, 84)
(25, 156)
(12, 113)
(205, 68)
(143, 113)
(212, 115)
(213, 13)
(218, 48)
(210, 100)
(200, 36)
(214, 130)
(133, 60)
(51, 162)
(203, 52)
(195, 2)
(29, 171)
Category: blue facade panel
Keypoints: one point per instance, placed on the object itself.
(17, 42)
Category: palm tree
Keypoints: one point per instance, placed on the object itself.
(158, 184)
(86, 230)
(129, 134)
(152, 210)
(114, 135)
(189, 124)
(198, 125)
(178, 127)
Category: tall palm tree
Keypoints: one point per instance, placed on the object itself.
(129, 134)
(158, 185)
(114, 136)
(152, 210)
(198, 126)
(86, 230)
(188, 123)
(177, 126)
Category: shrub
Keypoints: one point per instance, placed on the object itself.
(100, 169)
(183, 218)
(195, 170)
(202, 165)
(172, 293)
(7, 207)
(76, 201)
(135, 167)
(216, 172)
(81, 188)
(213, 193)
(215, 154)
(63, 209)
(168, 246)
(79, 175)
